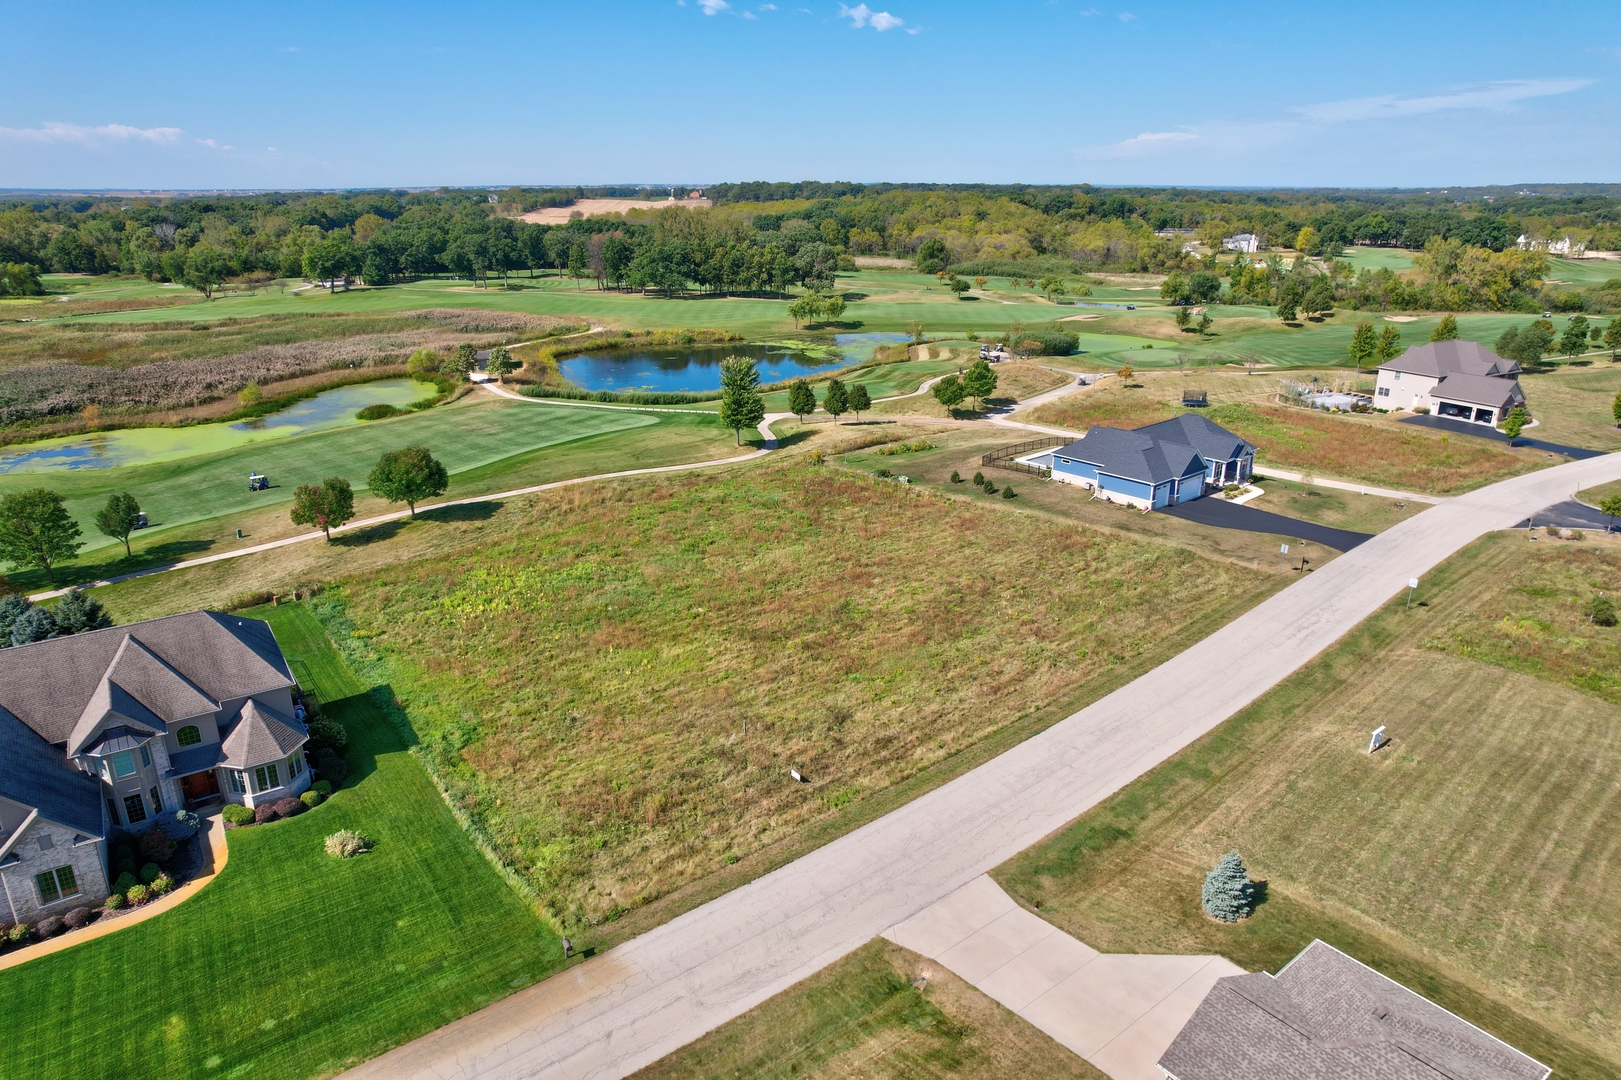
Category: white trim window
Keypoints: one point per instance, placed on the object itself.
(295, 765)
(266, 777)
(236, 780)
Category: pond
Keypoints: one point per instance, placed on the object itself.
(695, 369)
(145, 446)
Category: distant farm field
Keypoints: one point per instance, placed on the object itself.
(1473, 858)
(616, 693)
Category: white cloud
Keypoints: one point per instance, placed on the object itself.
(1495, 95)
(861, 15)
(1125, 16)
(768, 7)
(748, 14)
(56, 132)
(714, 7)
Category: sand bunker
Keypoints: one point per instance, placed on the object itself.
(560, 215)
(1401, 318)
(1079, 318)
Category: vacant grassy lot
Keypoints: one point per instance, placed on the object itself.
(1573, 405)
(1377, 450)
(291, 963)
(616, 693)
(862, 1019)
(1474, 858)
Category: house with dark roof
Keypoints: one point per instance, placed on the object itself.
(1326, 1016)
(106, 730)
(1458, 379)
(1173, 461)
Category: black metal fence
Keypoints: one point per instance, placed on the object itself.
(1002, 457)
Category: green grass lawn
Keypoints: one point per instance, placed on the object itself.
(291, 963)
(1472, 859)
(196, 504)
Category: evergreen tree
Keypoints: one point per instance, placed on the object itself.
(35, 624)
(859, 401)
(77, 612)
(1289, 303)
(119, 517)
(12, 606)
(1228, 893)
(1446, 329)
(740, 403)
(801, 399)
(1363, 344)
(837, 400)
(1573, 342)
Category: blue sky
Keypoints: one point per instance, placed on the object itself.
(296, 94)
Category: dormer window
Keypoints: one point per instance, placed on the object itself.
(188, 735)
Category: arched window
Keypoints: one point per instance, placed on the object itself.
(188, 735)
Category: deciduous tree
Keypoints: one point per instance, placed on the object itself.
(119, 517)
(859, 401)
(1612, 337)
(326, 505)
(1389, 345)
(408, 475)
(1364, 343)
(36, 531)
(464, 359)
(979, 383)
(1446, 329)
(740, 403)
(1573, 342)
(801, 399)
(949, 392)
(500, 362)
(1514, 423)
(836, 402)
(1610, 507)
(205, 268)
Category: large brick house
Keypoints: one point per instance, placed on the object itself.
(106, 730)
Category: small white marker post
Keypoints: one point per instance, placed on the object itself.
(1283, 551)
(1412, 583)
(1378, 737)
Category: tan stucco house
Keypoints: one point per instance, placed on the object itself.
(1462, 380)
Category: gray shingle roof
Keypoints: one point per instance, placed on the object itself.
(194, 759)
(1134, 455)
(1325, 1017)
(259, 735)
(1441, 358)
(1479, 390)
(48, 684)
(37, 774)
(1214, 442)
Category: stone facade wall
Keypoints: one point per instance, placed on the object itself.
(20, 893)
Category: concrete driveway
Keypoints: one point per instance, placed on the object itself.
(1118, 1011)
(617, 1012)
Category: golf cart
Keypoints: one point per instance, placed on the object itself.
(257, 482)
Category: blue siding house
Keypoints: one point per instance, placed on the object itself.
(1163, 464)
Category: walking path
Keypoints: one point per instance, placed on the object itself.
(363, 523)
(213, 834)
(615, 1013)
(1118, 1011)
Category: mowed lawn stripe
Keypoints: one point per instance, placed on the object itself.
(292, 963)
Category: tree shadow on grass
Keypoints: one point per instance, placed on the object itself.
(376, 725)
(476, 511)
(785, 441)
(386, 530)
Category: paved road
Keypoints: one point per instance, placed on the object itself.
(1481, 431)
(1570, 514)
(632, 1005)
(1219, 512)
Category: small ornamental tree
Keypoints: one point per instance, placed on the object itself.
(464, 359)
(801, 399)
(1615, 409)
(501, 362)
(1228, 893)
(949, 391)
(1573, 342)
(833, 308)
(740, 403)
(837, 399)
(119, 517)
(1612, 337)
(1446, 329)
(1611, 508)
(979, 382)
(1183, 318)
(325, 505)
(1514, 423)
(1389, 345)
(859, 401)
(408, 475)
(1364, 343)
(36, 531)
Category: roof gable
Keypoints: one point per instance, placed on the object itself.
(1134, 455)
(1478, 390)
(260, 735)
(1438, 359)
(37, 774)
(174, 663)
(1214, 442)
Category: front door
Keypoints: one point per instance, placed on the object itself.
(200, 785)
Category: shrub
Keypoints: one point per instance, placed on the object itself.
(323, 787)
(115, 902)
(346, 844)
(330, 764)
(291, 806)
(956, 477)
(77, 919)
(181, 825)
(990, 488)
(1007, 492)
(156, 846)
(125, 883)
(150, 872)
(123, 853)
(265, 813)
(127, 866)
(17, 934)
(1228, 891)
(162, 884)
(1601, 611)
(48, 927)
(380, 411)
(884, 474)
(1048, 342)
(137, 895)
(237, 814)
(310, 798)
(324, 732)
